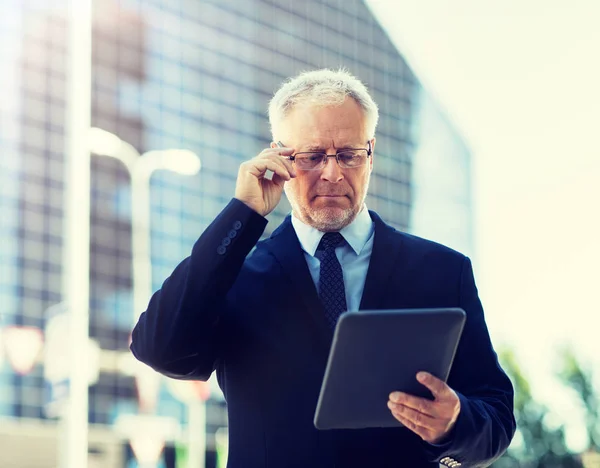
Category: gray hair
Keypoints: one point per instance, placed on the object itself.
(323, 87)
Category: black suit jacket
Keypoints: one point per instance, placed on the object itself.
(256, 319)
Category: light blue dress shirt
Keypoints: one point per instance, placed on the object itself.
(354, 255)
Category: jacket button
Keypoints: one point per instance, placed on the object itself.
(237, 225)
(226, 241)
(231, 234)
(221, 250)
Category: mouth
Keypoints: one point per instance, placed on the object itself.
(330, 198)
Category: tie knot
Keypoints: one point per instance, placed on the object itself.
(330, 241)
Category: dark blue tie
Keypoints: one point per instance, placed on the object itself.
(331, 279)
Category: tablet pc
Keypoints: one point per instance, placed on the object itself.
(377, 352)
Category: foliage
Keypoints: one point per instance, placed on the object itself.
(580, 380)
(538, 444)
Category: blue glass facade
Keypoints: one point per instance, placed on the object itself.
(442, 207)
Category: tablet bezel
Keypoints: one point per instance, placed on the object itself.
(356, 347)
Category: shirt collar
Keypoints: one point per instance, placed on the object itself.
(356, 234)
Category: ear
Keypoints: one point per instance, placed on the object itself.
(372, 153)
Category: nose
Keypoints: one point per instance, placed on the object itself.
(332, 172)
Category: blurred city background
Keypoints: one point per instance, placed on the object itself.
(488, 142)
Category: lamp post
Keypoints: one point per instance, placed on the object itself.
(141, 167)
(75, 290)
(194, 394)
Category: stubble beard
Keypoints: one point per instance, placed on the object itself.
(328, 218)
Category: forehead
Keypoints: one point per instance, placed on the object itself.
(317, 126)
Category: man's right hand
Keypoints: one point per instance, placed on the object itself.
(260, 194)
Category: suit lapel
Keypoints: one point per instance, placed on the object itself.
(285, 246)
(387, 245)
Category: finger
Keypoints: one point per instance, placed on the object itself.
(259, 166)
(280, 156)
(290, 168)
(421, 405)
(418, 418)
(270, 171)
(282, 151)
(285, 150)
(422, 432)
(438, 387)
(284, 154)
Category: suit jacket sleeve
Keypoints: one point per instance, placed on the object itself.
(486, 423)
(181, 332)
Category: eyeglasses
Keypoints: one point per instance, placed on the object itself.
(347, 159)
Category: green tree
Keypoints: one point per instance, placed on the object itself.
(580, 379)
(542, 446)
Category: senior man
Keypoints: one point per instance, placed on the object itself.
(264, 319)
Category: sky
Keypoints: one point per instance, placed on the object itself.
(521, 81)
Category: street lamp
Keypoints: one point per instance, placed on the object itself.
(73, 451)
(194, 394)
(141, 168)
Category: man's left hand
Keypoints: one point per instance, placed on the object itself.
(430, 420)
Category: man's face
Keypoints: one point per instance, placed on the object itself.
(327, 199)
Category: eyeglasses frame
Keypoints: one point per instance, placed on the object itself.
(327, 156)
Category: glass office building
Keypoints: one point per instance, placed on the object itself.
(187, 74)
(442, 206)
